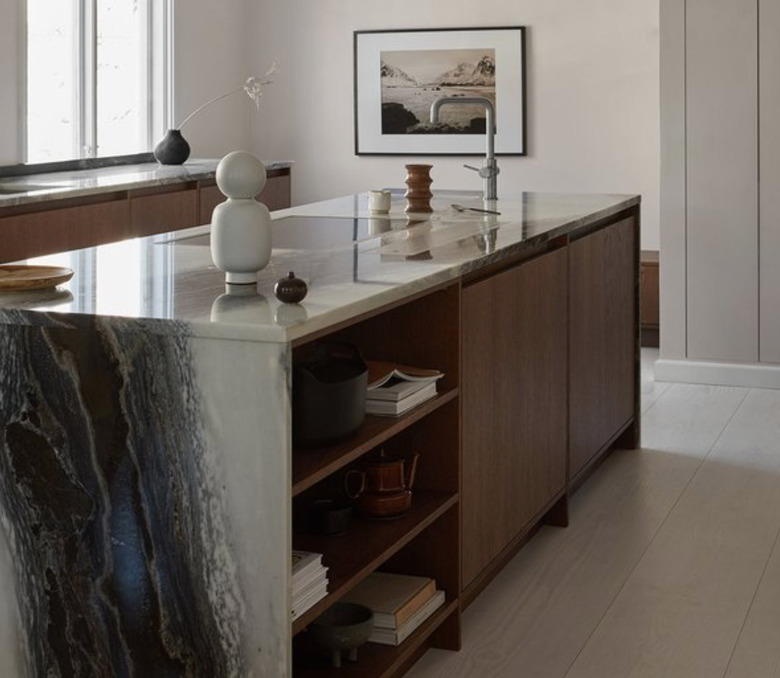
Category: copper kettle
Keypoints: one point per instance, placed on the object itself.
(382, 488)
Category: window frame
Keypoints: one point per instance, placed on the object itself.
(159, 73)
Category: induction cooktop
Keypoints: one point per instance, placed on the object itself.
(316, 233)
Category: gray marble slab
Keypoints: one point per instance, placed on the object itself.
(35, 188)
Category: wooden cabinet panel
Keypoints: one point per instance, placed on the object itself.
(163, 210)
(648, 297)
(275, 195)
(209, 197)
(23, 236)
(602, 358)
(514, 403)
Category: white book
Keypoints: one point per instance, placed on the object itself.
(304, 564)
(305, 603)
(399, 635)
(300, 589)
(392, 408)
(380, 373)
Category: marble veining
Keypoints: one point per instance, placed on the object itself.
(111, 509)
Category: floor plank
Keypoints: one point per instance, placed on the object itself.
(681, 610)
(757, 652)
(540, 611)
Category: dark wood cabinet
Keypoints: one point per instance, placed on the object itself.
(36, 229)
(514, 393)
(167, 208)
(72, 224)
(603, 340)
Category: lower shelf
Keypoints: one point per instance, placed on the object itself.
(380, 661)
(367, 545)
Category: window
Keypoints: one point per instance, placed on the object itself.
(97, 77)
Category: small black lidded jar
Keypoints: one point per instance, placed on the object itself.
(290, 290)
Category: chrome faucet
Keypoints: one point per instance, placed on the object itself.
(490, 170)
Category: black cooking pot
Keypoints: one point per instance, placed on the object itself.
(329, 395)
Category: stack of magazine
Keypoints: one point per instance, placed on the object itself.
(400, 602)
(394, 389)
(309, 581)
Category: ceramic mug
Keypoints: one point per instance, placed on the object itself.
(379, 202)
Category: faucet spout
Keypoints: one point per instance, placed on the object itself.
(490, 170)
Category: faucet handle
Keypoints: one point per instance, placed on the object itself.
(484, 172)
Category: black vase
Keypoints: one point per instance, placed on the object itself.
(173, 149)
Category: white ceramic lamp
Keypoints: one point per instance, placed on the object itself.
(240, 226)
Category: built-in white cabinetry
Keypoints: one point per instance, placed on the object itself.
(720, 230)
(769, 169)
(722, 178)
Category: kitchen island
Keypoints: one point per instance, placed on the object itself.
(151, 493)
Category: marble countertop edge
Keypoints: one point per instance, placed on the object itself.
(86, 182)
(336, 297)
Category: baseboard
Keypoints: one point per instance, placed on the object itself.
(750, 375)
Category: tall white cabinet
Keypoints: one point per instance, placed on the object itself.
(720, 191)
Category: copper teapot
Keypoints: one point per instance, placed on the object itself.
(382, 488)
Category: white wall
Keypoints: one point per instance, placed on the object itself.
(211, 58)
(593, 104)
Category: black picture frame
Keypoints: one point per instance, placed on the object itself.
(398, 73)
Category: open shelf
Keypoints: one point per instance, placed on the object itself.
(310, 466)
(367, 544)
(373, 659)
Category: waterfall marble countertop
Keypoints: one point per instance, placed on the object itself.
(353, 262)
(37, 188)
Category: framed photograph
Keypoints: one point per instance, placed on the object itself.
(400, 73)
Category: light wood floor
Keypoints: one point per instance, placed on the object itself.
(670, 566)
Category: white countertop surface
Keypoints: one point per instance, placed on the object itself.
(352, 262)
(38, 188)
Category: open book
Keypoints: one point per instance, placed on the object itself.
(394, 382)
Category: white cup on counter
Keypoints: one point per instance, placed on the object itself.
(379, 202)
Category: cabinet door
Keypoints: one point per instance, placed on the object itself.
(161, 210)
(722, 115)
(514, 404)
(602, 340)
(23, 236)
(769, 159)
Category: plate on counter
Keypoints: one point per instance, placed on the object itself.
(28, 277)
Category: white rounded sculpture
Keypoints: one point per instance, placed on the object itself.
(240, 226)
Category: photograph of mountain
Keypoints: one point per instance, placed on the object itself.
(399, 74)
(411, 80)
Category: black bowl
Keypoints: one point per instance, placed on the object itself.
(344, 626)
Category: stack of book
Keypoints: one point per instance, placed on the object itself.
(395, 389)
(309, 581)
(401, 603)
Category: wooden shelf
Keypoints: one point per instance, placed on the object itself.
(368, 544)
(373, 659)
(310, 466)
